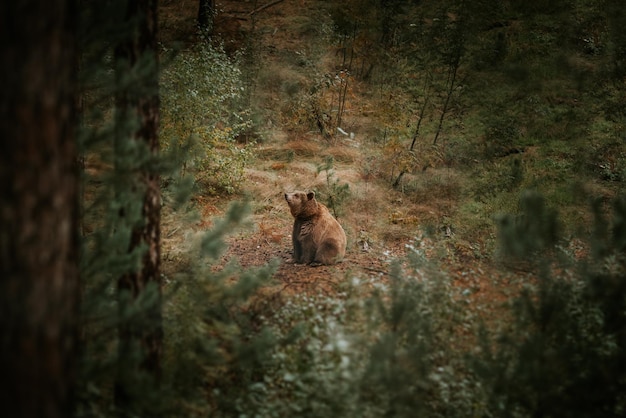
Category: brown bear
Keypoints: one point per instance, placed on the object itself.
(317, 236)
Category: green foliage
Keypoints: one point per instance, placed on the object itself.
(214, 345)
(501, 136)
(539, 7)
(206, 336)
(313, 364)
(616, 19)
(334, 194)
(118, 168)
(413, 368)
(500, 180)
(322, 106)
(211, 343)
(564, 353)
(401, 345)
(365, 353)
(202, 97)
(533, 231)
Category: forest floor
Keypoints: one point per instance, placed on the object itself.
(382, 224)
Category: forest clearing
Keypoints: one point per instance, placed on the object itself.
(381, 222)
(473, 153)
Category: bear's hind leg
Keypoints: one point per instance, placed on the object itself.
(327, 253)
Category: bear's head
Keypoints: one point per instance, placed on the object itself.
(302, 204)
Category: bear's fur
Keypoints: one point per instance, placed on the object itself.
(317, 236)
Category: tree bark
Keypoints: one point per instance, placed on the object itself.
(39, 277)
(139, 99)
(206, 9)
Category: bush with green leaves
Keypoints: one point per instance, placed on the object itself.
(407, 342)
(214, 347)
(416, 363)
(333, 193)
(202, 96)
(312, 366)
(386, 345)
(564, 353)
(501, 136)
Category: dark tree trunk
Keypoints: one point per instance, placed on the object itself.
(389, 10)
(205, 15)
(39, 279)
(139, 99)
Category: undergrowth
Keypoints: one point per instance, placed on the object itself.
(203, 98)
(379, 346)
(334, 193)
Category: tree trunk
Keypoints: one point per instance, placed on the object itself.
(138, 99)
(206, 9)
(39, 279)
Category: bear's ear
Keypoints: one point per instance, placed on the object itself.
(310, 195)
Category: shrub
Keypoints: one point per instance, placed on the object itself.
(333, 193)
(379, 346)
(203, 98)
(213, 347)
(563, 355)
(501, 136)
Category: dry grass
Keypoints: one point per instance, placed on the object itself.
(306, 147)
(280, 79)
(285, 151)
(343, 154)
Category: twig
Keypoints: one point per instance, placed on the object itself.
(374, 270)
(173, 232)
(264, 7)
